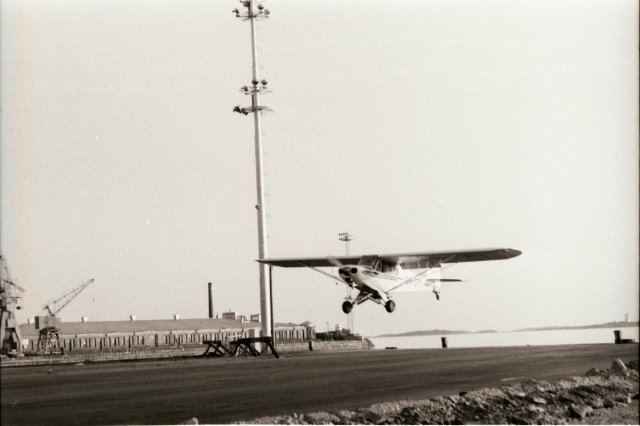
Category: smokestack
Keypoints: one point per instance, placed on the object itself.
(210, 302)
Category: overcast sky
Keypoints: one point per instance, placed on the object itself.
(415, 125)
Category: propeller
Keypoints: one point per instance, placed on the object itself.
(338, 264)
(335, 261)
(15, 285)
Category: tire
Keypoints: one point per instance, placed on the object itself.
(390, 306)
(347, 307)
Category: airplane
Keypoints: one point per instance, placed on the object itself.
(379, 277)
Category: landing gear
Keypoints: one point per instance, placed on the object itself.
(390, 306)
(347, 307)
(437, 295)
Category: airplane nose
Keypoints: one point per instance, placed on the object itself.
(347, 271)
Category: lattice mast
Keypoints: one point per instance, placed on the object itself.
(9, 302)
(252, 14)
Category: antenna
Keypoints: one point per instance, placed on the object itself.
(258, 86)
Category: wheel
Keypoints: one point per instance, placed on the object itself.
(347, 307)
(390, 306)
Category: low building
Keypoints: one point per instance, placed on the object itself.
(290, 332)
(156, 334)
(339, 334)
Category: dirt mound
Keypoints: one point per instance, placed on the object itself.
(598, 393)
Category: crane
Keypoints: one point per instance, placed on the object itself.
(49, 337)
(66, 298)
(9, 331)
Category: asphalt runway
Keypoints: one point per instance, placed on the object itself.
(224, 390)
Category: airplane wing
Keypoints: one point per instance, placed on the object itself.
(317, 262)
(406, 260)
(431, 259)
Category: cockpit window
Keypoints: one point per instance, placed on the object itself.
(377, 264)
(372, 261)
(388, 267)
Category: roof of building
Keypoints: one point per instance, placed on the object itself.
(102, 327)
(287, 325)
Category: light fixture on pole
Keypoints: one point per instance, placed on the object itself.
(344, 236)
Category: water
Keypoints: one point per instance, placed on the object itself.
(510, 338)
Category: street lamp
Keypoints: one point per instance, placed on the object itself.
(257, 87)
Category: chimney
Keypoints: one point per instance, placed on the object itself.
(210, 302)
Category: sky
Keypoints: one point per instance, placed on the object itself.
(414, 126)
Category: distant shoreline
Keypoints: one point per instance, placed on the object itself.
(620, 324)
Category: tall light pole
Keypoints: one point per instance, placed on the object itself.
(258, 86)
(344, 236)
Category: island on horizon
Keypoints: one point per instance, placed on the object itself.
(555, 327)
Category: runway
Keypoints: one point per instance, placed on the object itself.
(223, 390)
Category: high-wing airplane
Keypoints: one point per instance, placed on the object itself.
(380, 277)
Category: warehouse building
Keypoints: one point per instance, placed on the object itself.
(135, 334)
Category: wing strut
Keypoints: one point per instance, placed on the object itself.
(325, 273)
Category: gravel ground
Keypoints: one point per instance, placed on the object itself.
(599, 397)
(624, 415)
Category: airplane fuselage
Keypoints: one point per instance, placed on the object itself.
(367, 279)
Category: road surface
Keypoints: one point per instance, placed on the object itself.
(224, 390)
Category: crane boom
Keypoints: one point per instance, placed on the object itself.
(67, 298)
